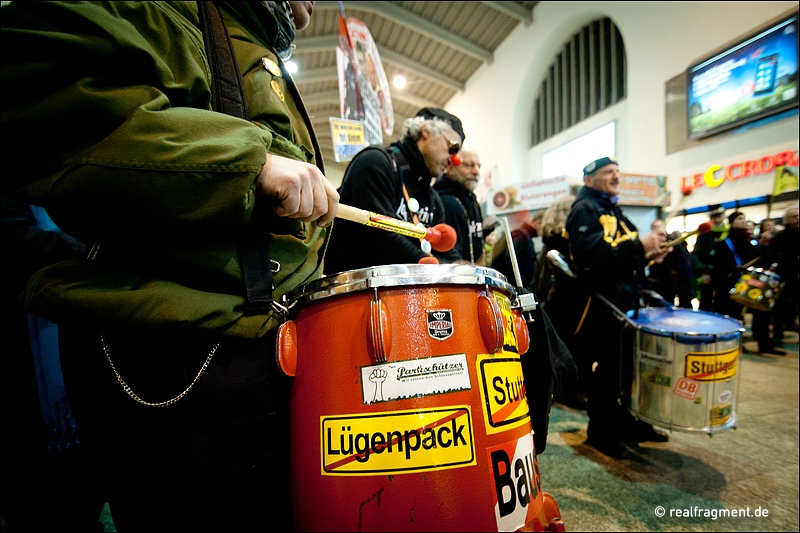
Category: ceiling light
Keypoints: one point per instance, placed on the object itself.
(399, 81)
(291, 66)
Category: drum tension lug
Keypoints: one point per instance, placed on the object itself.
(526, 302)
(280, 309)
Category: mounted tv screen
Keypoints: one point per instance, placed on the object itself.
(753, 79)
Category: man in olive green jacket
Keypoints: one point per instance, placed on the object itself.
(108, 123)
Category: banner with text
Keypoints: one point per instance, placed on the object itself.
(526, 196)
(643, 189)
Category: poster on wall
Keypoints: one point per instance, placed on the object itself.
(526, 196)
(363, 88)
(347, 137)
(642, 189)
(786, 180)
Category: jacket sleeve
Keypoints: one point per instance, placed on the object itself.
(595, 247)
(455, 218)
(439, 217)
(112, 121)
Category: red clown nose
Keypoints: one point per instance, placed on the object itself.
(455, 160)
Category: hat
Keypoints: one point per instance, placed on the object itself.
(715, 210)
(430, 113)
(733, 216)
(598, 163)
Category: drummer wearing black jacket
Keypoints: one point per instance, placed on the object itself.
(396, 181)
(462, 210)
(608, 256)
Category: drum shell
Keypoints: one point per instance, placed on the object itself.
(331, 396)
(686, 369)
(757, 288)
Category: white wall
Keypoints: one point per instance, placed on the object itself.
(661, 40)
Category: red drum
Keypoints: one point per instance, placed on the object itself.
(409, 410)
(757, 289)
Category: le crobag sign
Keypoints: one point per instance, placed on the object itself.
(716, 175)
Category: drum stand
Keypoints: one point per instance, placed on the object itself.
(526, 300)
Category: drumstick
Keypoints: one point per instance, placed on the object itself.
(442, 237)
(750, 263)
(705, 227)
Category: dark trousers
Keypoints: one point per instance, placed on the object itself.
(215, 460)
(607, 341)
(760, 328)
(706, 297)
(784, 313)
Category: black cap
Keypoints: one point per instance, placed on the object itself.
(715, 210)
(599, 163)
(733, 216)
(434, 112)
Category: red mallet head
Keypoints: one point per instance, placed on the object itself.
(428, 260)
(705, 227)
(442, 237)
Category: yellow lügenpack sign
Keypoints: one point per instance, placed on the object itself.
(397, 442)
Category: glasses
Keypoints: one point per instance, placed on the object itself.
(453, 146)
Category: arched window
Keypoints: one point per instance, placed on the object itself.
(588, 75)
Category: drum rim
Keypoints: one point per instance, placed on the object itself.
(398, 275)
(690, 336)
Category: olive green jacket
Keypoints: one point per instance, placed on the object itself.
(107, 122)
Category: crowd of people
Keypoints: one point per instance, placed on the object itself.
(168, 314)
(731, 250)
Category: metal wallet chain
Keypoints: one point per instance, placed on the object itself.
(135, 396)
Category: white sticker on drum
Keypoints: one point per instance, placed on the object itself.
(725, 396)
(517, 483)
(414, 378)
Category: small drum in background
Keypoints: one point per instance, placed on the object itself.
(408, 406)
(757, 289)
(686, 365)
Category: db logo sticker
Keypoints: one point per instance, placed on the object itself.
(686, 388)
(440, 324)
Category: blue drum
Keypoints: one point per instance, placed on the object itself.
(686, 365)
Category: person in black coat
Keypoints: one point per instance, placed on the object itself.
(48, 484)
(703, 257)
(462, 210)
(732, 253)
(396, 181)
(785, 253)
(608, 256)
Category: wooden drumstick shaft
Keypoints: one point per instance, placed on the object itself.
(368, 218)
(703, 228)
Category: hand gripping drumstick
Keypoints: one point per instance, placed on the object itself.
(442, 237)
(705, 227)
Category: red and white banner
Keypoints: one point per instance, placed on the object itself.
(363, 87)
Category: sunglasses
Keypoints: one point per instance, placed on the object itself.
(453, 147)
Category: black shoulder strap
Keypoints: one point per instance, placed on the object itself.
(227, 96)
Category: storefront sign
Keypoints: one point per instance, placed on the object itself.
(526, 196)
(716, 175)
(639, 189)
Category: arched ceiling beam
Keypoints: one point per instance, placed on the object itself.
(332, 98)
(328, 42)
(512, 9)
(416, 23)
